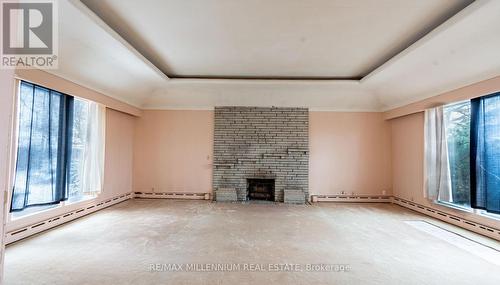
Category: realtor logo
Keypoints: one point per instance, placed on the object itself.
(29, 34)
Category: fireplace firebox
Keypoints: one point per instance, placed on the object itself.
(261, 189)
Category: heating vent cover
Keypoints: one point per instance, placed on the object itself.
(458, 221)
(173, 195)
(35, 228)
(352, 198)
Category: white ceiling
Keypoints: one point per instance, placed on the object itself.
(272, 38)
(277, 39)
(90, 55)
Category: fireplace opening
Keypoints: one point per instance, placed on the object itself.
(261, 189)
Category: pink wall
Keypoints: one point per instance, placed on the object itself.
(118, 164)
(349, 152)
(173, 151)
(408, 166)
(407, 157)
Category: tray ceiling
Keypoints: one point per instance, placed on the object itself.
(329, 39)
(326, 55)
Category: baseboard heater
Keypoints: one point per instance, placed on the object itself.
(352, 198)
(443, 216)
(172, 195)
(40, 226)
(449, 218)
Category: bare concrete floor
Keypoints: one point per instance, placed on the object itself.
(118, 246)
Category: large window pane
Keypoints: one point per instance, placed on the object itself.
(38, 147)
(25, 107)
(457, 122)
(80, 141)
(59, 149)
(486, 153)
(492, 152)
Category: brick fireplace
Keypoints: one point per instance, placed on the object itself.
(260, 145)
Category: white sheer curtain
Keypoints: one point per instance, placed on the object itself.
(437, 170)
(93, 157)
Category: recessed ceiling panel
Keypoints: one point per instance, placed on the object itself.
(272, 38)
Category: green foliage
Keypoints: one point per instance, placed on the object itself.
(457, 118)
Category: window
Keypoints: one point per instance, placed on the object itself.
(485, 153)
(60, 149)
(463, 154)
(457, 125)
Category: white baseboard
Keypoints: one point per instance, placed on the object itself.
(61, 218)
(26, 231)
(29, 230)
(352, 198)
(449, 218)
(429, 211)
(172, 195)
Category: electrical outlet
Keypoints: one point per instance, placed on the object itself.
(384, 192)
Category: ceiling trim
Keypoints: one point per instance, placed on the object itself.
(267, 78)
(468, 92)
(70, 87)
(260, 81)
(96, 19)
(311, 109)
(98, 90)
(178, 108)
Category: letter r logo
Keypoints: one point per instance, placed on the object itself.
(27, 28)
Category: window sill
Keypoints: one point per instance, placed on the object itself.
(481, 213)
(20, 215)
(59, 207)
(454, 206)
(485, 214)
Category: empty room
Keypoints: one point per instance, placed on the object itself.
(250, 142)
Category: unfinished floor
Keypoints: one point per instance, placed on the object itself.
(119, 244)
